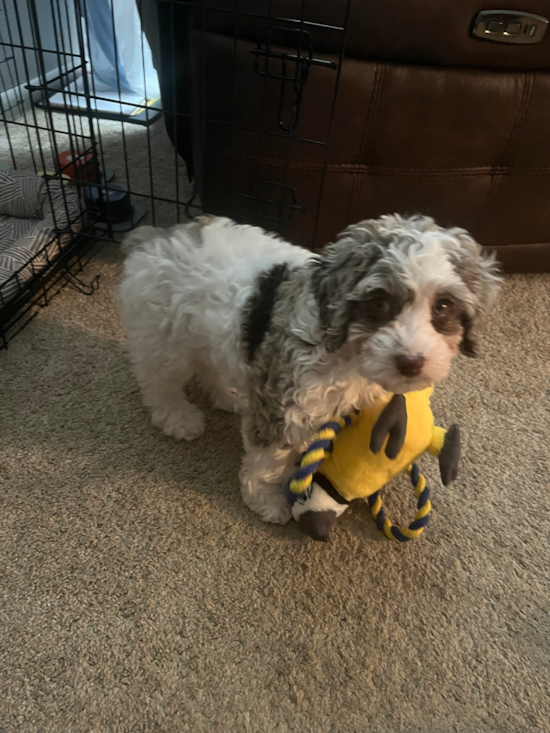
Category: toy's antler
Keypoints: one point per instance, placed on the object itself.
(445, 444)
(393, 422)
(449, 455)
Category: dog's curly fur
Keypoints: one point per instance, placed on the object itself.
(290, 338)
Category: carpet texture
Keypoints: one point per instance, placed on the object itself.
(139, 594)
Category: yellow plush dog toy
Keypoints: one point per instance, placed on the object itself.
(336, 470)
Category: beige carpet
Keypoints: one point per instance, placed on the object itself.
(139, 594)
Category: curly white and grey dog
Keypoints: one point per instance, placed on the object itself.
(290, 338)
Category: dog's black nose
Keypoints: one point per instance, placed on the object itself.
(409, 366)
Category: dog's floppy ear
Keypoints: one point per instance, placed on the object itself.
(338, 270)
(480, 274)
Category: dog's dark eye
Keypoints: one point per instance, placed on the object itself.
(442, 306)
(380, 307)
(446, 316)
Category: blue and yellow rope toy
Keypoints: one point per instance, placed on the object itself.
(345, 461)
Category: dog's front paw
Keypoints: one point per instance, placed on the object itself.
(226, 403)
(268, 501)
(182, 424)
(276, 512)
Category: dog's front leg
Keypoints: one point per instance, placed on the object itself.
(263, 475)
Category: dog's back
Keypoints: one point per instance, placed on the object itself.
(210, 260)
(184, 290)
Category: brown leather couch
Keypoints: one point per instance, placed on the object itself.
(426, 118)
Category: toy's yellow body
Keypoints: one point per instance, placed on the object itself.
(356, 472)
(340, 465)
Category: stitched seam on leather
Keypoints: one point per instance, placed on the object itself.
(496, 178)
(351, 202)
(367, 123)
(352, 171)
(520, 118)
(373, 111)
(382, 170)
(462, 175)
(431, 178)
(518, 244)
(513, 136)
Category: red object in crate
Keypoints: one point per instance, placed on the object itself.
(80, 167)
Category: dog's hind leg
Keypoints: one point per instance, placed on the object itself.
(162, 387)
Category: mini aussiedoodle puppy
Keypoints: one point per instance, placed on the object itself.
(290, 338)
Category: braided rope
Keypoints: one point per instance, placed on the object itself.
(313, 458)
(421, 518)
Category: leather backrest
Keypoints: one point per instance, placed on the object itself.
(434, 32)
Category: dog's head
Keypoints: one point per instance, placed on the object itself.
(406, 295)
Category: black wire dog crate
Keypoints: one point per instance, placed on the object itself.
(216, 134)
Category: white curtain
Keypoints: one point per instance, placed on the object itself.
(121, 69)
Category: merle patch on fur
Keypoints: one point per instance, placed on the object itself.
(337, 272)
(258, 310)
(380, 307)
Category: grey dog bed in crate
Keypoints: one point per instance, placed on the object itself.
(36, 221)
